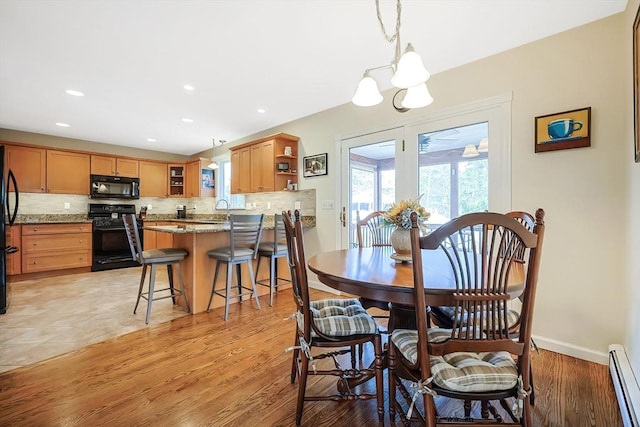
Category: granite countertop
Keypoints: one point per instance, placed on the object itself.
(189, 228)
(51, 219)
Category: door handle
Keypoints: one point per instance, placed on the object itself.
(343, 217)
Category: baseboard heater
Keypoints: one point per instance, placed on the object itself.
(625, 384)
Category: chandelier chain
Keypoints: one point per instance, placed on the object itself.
(395, 36)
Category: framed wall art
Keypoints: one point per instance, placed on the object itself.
(315, 165)
(636, 86)
(559, 131)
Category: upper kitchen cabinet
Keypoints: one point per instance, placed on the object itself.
(200, 179)
(262, 167)
(67, 172)
(177, 178)
(29, 167)
(241, 170)
(115, 166)
(153, 179)
(268, 164)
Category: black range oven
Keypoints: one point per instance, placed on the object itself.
(110, 245)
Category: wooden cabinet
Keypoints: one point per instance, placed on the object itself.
(154, 239)
(285, 152)
(67, 172)
(153, 179)
(200, 179)
(177, 178)
(241, 170)
(29, 165)
(48, 247)
(257, 162)
(115, 166)
(262, 167)
(14, 264)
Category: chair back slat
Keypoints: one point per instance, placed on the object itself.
(297, 266)
(245, 232)
(372, 231)
(133, 237)
(491, 256)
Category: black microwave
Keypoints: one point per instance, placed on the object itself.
(114, 187)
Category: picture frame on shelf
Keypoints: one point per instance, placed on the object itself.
(560, 131)
(315, 165)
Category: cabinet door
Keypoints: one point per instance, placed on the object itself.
(193, 179)
(262, 167)
(29, 166)
(149, 237)
(67, 172)
(177, 180)
(103, 165)
(153, 179)
(241, 170)
(127, 167)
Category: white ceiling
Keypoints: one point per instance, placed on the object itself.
(292, 58)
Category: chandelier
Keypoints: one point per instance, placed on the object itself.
(216, 143)
(410, 75)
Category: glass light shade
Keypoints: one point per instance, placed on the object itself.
(368, 93)
(417, 97)
(410, 70)
(483, 147)
(213, 165)
(470, 151)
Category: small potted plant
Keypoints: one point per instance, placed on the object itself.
(398, 216)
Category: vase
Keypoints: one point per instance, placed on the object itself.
(401, 243)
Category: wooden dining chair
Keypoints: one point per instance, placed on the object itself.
(477, 359)
(372, 231)
(333, 325)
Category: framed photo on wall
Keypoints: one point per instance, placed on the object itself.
(315, 165)
(559, 131)
(636, 86)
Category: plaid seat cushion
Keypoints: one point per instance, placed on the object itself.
(513, 316)
(461, 371)
(340, 318)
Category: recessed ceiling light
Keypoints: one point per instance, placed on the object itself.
(261, 110)
(188, 87)
(187, 120)
(62, 125)
(152, 140)
(74, 92)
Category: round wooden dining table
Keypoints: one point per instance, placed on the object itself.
(372, 273)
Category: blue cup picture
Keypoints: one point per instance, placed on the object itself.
(563, 128)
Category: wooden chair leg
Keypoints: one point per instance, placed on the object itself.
(302, 385)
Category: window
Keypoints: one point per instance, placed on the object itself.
(236, 201)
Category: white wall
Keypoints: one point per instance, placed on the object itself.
(632, 294)
(584, 280)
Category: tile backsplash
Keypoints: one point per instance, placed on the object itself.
(268, 203)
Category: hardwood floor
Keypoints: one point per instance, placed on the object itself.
(201, 371)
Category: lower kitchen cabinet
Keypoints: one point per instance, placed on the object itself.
(47, 247)
(154, 239)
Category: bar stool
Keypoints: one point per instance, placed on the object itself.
(273, 250)
(245, 235)
(154, 257)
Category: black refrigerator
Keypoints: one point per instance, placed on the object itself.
(7, 180)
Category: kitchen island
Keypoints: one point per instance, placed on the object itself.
(198, 268)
